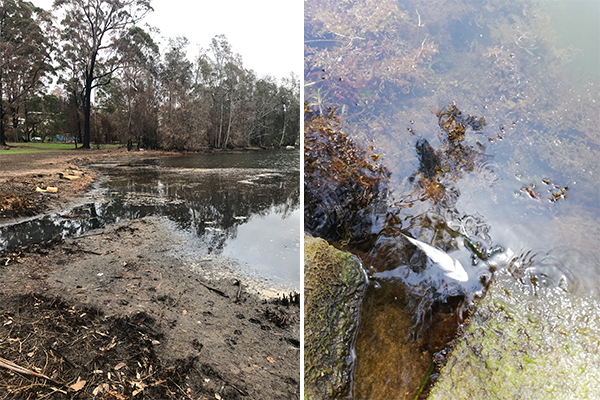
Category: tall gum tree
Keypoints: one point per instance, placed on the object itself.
(93, 34)
(131, 100)
(176, 76)
(223, 74)
(25, 55)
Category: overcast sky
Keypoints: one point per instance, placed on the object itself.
(267, 33)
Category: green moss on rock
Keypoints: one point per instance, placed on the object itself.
(525, 343)
(333, 288)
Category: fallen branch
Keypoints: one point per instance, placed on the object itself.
(90, 252)
(14, 367)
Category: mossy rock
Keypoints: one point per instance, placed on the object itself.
(334, 285)
(526, 342)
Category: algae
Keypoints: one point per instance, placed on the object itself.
(522, 344)
(334, 284)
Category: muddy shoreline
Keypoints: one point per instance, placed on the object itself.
(137, 319)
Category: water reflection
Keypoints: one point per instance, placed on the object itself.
(200, 195)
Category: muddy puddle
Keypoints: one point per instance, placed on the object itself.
(239, 206)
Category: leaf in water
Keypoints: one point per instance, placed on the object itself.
(270, 359)
(77, 386)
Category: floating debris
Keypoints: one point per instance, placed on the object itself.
(49, 189)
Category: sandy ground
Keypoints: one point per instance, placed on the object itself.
(117, 314)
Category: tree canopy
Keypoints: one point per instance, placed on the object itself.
(116, 84)
(25, 56)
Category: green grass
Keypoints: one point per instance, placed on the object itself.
(37, 147)
(40, 145)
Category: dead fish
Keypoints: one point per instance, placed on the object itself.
(452, 268)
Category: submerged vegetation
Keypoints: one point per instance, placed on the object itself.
(343, 183)
(385, 67)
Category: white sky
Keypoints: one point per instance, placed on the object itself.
(267, 33)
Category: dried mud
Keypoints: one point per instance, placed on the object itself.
(21, 174)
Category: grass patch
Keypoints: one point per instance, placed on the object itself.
(44, 145)
(26, 148)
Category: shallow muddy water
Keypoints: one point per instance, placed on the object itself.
(243, 206)
(517, 190)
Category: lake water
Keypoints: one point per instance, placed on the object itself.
(525, 183)
(241, 206)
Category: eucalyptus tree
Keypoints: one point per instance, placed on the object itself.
(25, 55)
(131, 99)
(289, 99)
(223, 75)
(276, 112)
(235, 96)
(241, 108)
(178, 125)
(43, 116)
(266, 106)
(73, 86)
(94, 31)
(140, 78)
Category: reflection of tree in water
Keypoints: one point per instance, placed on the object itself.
(47, 228)
(218, 222)
(213, 211)
(215, 207)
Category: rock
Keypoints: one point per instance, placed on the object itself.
(334, 284)
(525, 342)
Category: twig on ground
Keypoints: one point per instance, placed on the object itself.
(17, 368)
(217, 291)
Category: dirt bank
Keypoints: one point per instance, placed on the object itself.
(21, 174)
(117, 314)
